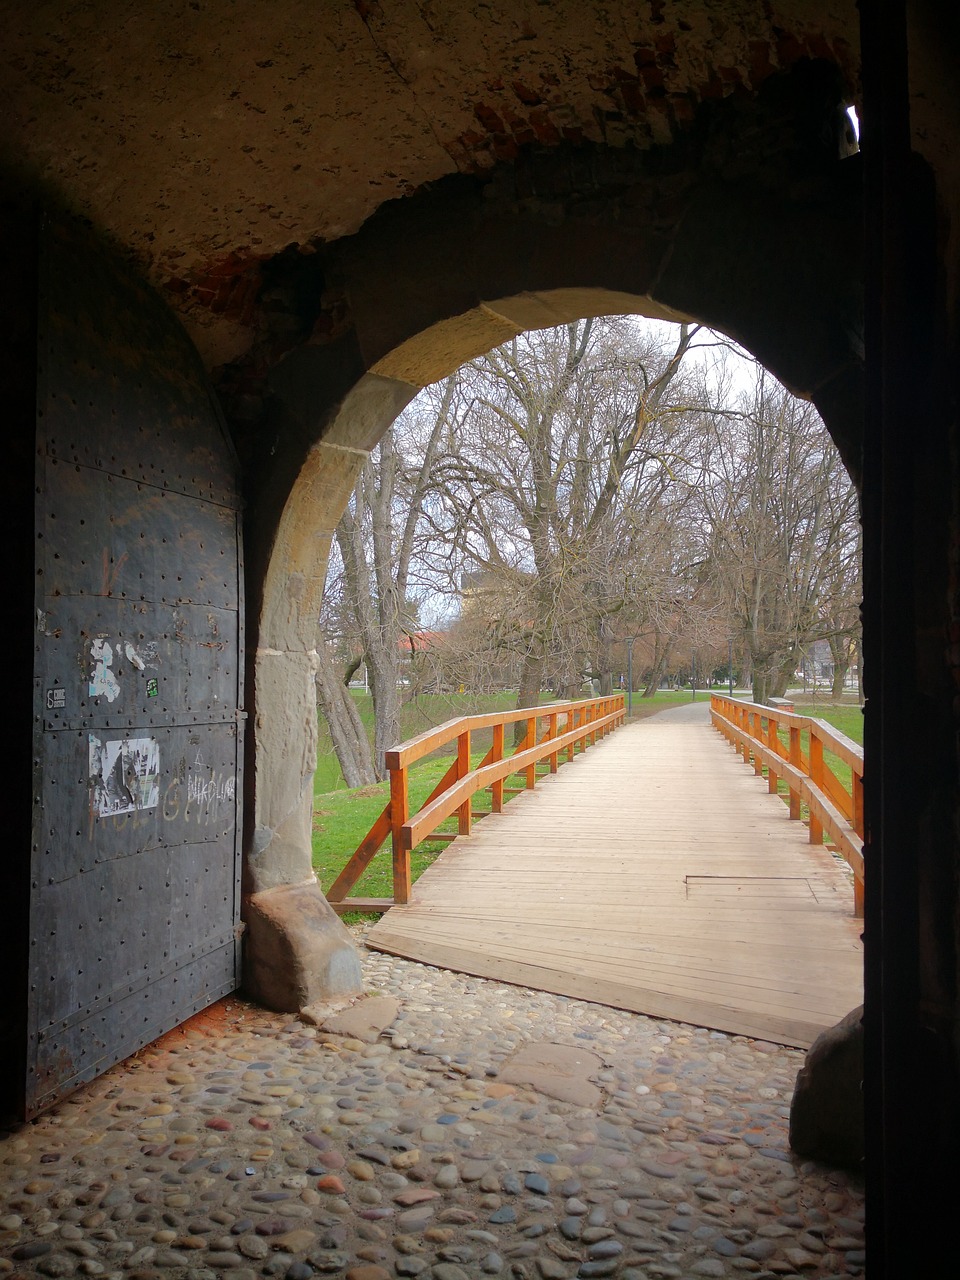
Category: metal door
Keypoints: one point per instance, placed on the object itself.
(134, 903)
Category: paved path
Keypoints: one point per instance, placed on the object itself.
(248, 1145)
(653, 873)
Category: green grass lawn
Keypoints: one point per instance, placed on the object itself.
(342, 818)
(848, 719)
(666, 698)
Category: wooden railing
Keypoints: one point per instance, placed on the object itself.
(567, 726)
(754, 730)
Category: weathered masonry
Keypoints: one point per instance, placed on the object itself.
(237, 240)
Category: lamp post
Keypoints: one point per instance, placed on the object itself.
(629, 677)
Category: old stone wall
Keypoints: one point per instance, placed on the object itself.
(208, 137)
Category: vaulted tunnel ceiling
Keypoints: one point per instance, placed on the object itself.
(207, 137)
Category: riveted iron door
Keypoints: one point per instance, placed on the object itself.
(134, 907)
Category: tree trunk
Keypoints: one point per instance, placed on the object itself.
(661, 655)
(745, 680)
(761, 685)
(384, 668)
(840, 653)
(531, 679)
(349, 737)
(783, 676)
(766, 676)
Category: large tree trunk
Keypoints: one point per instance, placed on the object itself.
(766, 669)
(766, 675)
(761, 685)
(838, 681)
(531, 680)
(528, 695)
(840, 653)
(745, 680)
(784, 675)
(349, 737)
(661, 655)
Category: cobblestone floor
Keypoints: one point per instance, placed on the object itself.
(248, 1144)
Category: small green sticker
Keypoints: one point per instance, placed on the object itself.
(153, 689)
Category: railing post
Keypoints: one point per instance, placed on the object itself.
(796, 759)
(758, 736)
(571, 724)
(496, 790)
(399, 813)
(531, 741)
(773, 778)
(816, 777)
(465, 812)
(747, 731)
(552, 733)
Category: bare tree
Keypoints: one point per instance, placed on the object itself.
(580, 487)
(378, 538)
(563, 433)
(780, 518)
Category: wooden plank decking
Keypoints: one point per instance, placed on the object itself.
(656, 874)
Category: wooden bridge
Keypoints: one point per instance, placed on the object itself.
(655, 872)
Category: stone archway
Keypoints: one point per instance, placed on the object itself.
(435, 280)
(750, 225)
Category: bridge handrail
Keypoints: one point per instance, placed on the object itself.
(753, 729)
(585, 721)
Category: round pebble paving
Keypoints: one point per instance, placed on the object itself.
(250, 1145)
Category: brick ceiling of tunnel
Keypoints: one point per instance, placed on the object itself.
(206, 135)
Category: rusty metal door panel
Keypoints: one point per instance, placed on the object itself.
(134, 914)
(126, 924)
(104, 814)
(110, 536)
(161, 660)
(123, 398)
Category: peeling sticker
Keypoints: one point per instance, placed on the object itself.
(103, 683)
(134, 658)
(124, 775)
(43, 626)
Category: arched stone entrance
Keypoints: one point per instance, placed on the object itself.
(434, 280)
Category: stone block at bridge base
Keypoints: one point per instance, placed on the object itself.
(296, 951)
(826, 1114)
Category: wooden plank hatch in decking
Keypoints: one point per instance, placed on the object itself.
(654, 873)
